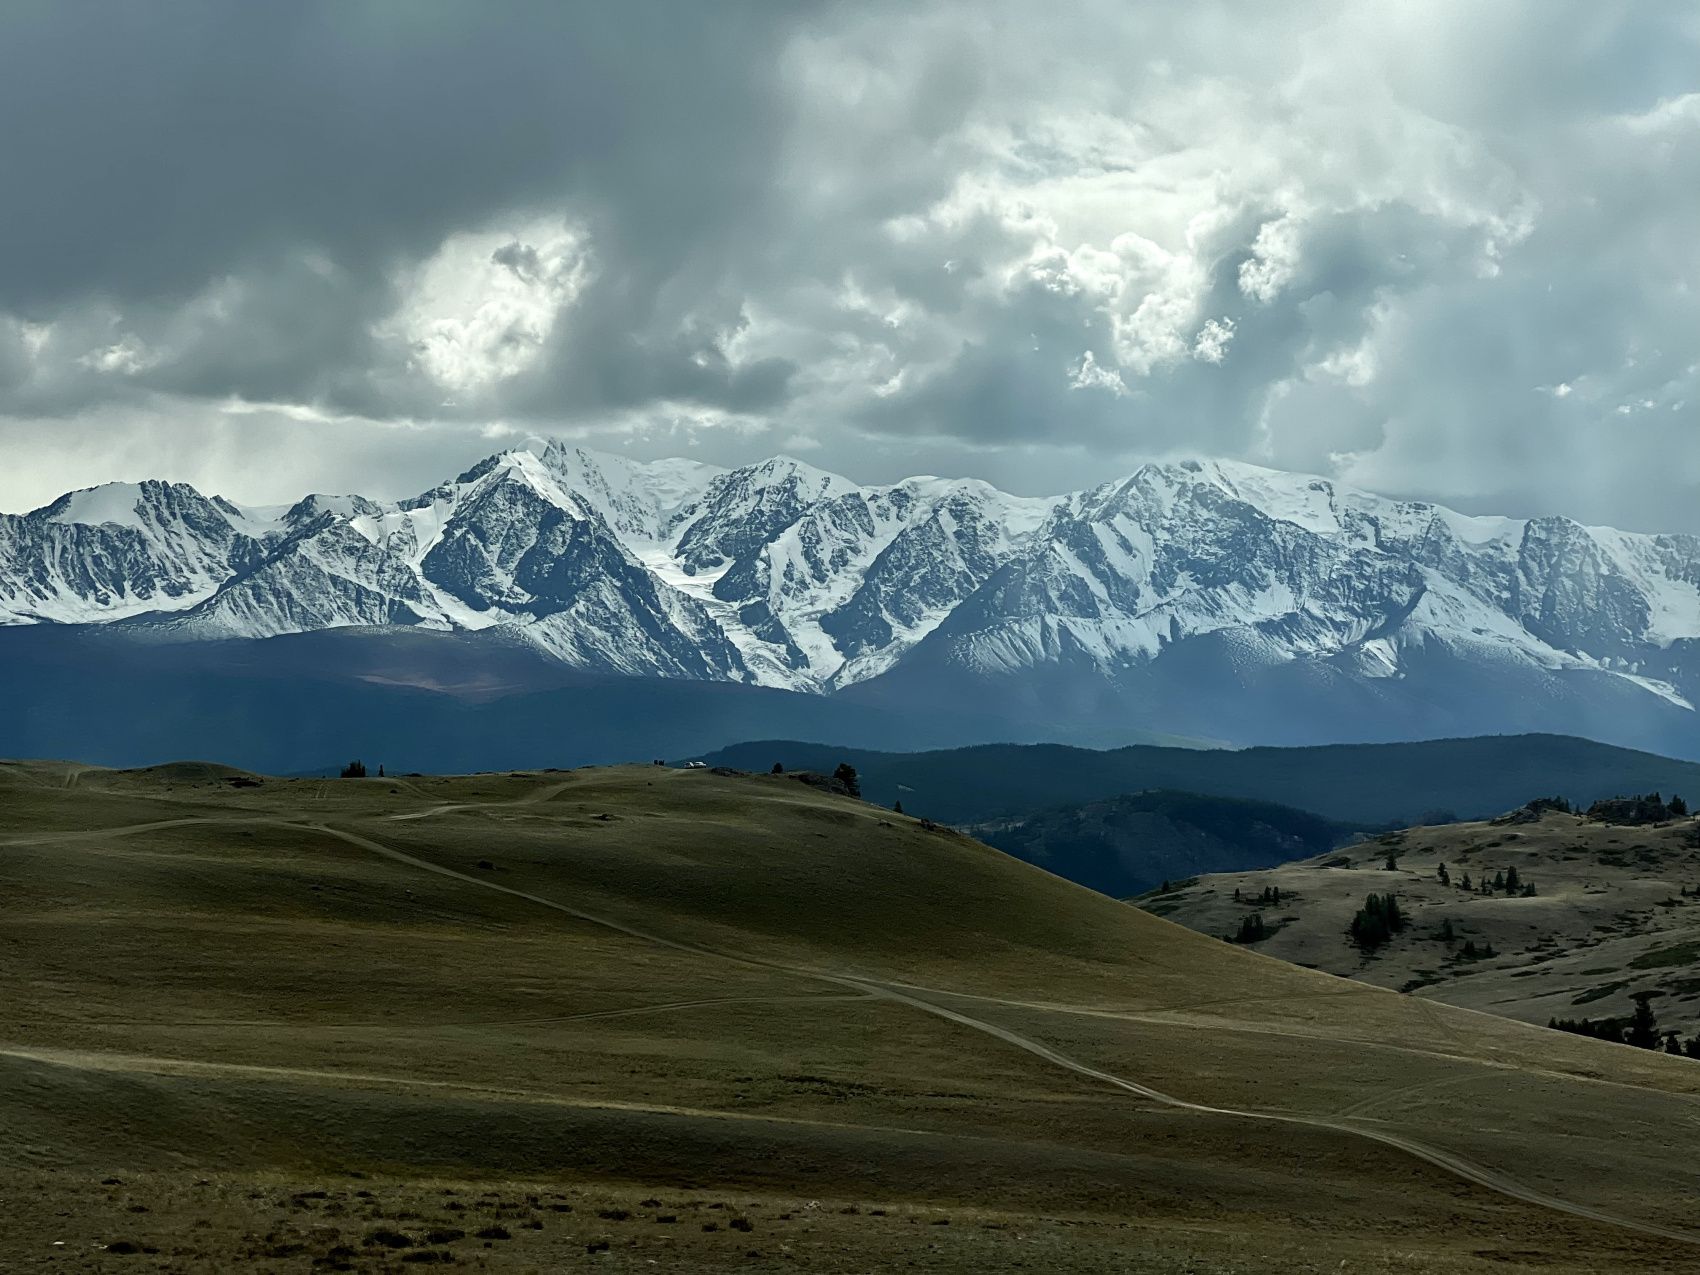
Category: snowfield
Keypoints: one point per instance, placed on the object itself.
(784, 575)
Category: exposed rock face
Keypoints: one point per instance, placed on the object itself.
(1195, 574)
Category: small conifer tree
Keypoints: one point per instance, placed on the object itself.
(1643, 1024)
(846, 775)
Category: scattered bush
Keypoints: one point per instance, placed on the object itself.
(1252, 929)
(1529, 812)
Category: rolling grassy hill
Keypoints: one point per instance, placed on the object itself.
(691, 1021)
(1616, 911)
(1380, 784)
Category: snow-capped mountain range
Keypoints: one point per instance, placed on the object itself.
(782, 575)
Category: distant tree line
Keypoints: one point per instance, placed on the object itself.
(1507, 881)
(845, 776)
(1643, 809)
(1641, 1029)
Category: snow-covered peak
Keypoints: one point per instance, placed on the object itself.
(340, 508)
(115, 551)
(788, 469)
(144, 506)
(794, 576)
(111, 504)
(638, 498)
(1156, 492)
(742, 509)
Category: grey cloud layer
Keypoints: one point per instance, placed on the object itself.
(1439, 248)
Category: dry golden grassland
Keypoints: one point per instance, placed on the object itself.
(648, 1019)
(1616, 911)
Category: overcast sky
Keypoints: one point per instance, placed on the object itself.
(1449, 250)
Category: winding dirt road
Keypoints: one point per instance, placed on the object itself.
(1457, 1165)
(1460, 1167)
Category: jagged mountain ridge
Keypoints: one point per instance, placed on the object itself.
(783, 575)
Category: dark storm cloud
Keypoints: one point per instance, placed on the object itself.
(1435, 248)
(167, 144)
(180, 148)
